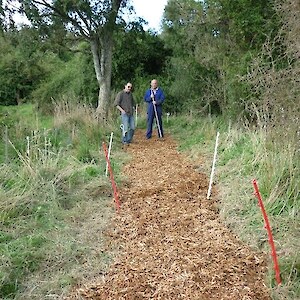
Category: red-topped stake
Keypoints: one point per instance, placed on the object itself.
(268, 227)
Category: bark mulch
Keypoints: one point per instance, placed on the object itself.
(172, 243)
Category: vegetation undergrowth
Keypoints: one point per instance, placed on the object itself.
(55, 200)
(269, 155)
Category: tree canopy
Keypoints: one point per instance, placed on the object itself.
(94, 21)
(208, 56)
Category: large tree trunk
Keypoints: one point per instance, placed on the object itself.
(85, 20)
(102, 49)
(102, 55)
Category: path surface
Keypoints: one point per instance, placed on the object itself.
(173, 244)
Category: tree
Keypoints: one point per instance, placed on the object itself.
(94, 21)
(187, 32)
(20, 71)
(213, 43)
(148, 58)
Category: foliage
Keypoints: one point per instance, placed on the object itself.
(73, 78)
(148, 58)
(189, 77)
(274, 75)
(214, 41)
(249, 22)
(94, 22)
(20, 71)
(65, 68)
(50, 191)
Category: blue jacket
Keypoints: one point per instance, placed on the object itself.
(159, 97)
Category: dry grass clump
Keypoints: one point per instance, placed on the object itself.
(53, 224)
(55, 203)
(274, 74)
(66, 112)
(77, 252)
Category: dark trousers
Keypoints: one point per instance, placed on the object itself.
(151, 117)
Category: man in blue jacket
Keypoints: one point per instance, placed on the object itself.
(155, 98)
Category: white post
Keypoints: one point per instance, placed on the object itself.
(28, 146)
(213, 167)
(136, 114)
(45, 146)
(168, 114)
(109, 149)
(6, 144)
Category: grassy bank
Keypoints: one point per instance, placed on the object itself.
(55, 201)
(272, 157)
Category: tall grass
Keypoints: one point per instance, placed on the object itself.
(271, 155)
(55, 202)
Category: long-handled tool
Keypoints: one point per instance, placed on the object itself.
(156, 116)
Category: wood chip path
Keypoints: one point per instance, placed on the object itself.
(172, 243)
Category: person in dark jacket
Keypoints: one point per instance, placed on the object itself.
(125, 104)
(155, 98)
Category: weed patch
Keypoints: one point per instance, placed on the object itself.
(55, 203)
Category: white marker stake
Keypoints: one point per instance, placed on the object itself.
(136, 114)
(6, 144)
(109, 149)
(28, 146)
(213, 167)
(168, 114)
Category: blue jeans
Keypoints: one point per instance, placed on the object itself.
(128, 128)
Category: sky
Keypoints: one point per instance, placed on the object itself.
(152, 11)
